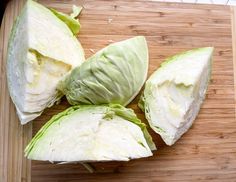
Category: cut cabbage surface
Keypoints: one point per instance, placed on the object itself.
(174, 93)
(41, 51)
(91, 133)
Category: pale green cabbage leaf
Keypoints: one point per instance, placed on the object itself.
(70, 20)
(114, 74)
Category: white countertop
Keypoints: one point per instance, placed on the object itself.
(224, 2)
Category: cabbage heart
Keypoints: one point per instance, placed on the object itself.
(174, 93)
(42, 50)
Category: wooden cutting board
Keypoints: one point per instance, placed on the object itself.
(207, 152)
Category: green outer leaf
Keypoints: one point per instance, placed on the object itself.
(127, 114)
(141, 103)
(114, 74)
(71, 22)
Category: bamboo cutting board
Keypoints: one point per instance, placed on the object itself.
(207, 152)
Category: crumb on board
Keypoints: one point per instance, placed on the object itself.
(109, 20)
(92, 50)
(110, 41)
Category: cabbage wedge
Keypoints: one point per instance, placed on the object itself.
(91, 133)
(114, 74)
(41, 51)
(174, 93)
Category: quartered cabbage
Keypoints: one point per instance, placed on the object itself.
(91, 133)
(42, 50)
(115, 74)
(174, 93)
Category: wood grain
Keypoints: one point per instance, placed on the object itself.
(13, 136)
(233, 25)
(207, 152)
